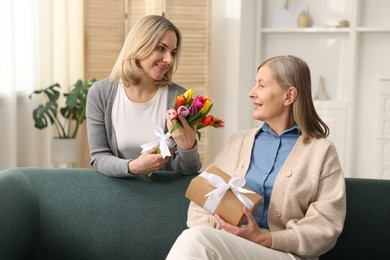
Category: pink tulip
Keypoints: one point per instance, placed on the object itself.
(171, 114)
(198, 103)
(183, 111)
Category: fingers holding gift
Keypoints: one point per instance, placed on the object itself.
(250, 231)
(227, 226)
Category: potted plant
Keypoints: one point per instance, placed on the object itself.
(66, 119)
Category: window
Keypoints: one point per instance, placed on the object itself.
(18, 46)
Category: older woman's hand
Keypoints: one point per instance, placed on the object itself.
(251, 231)
(185, 136)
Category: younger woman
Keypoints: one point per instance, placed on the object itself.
(123, 110)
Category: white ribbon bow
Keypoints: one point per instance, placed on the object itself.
(164, 142)
(215, 196)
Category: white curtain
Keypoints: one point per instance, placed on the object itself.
(41, 43)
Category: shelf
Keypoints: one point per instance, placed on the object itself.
(325, 30)
(374, 29)
(306, 30)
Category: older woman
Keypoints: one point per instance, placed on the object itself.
(290, 163)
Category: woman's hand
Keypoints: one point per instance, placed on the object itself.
(184, 136)
(147, 162)
(250, 231)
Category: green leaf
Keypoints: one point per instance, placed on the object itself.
(76, 101)
(176, 126)
(50, 93)
(44, 114)
(199, 135)
(200, 126)
(174, 101)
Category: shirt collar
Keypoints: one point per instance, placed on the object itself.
(292, 131)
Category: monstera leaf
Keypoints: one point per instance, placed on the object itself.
(44, 114)
(73, 111)
(76, 103)
(47, 112)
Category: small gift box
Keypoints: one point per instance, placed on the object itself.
(217, 192)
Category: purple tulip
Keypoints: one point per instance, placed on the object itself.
(192, 110)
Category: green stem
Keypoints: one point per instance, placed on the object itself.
(80, 119)
(60, 128)
(76, 129)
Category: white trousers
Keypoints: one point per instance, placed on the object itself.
(213, 244)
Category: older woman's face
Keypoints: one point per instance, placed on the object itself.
(162, 57)
(268, 98)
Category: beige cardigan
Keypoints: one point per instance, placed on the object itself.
(307, 207)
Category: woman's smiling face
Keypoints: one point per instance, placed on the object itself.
(162, 57)
(268, 97)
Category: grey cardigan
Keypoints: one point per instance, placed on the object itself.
(102, 140)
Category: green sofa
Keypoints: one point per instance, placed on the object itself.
(81, 214)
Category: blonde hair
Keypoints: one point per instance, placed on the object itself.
(140, 42)
(291, 71)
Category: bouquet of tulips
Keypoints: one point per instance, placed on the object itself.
(195, 110)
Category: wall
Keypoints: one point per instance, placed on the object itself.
(232, 67)
(374, 64)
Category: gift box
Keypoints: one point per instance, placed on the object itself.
(229, 204)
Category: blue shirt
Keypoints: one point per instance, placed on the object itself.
(268, 155)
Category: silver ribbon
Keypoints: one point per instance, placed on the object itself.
(164, 142)
(214, 197)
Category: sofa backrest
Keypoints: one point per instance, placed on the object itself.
(366, 233)
(86, 215)
(82, 214)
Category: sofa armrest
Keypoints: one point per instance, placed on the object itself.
(19, 216)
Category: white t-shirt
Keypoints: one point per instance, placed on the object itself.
(134, 123)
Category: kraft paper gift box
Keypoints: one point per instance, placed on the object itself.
(230, 208)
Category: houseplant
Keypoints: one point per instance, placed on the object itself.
(73, 111)
(66, 119)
